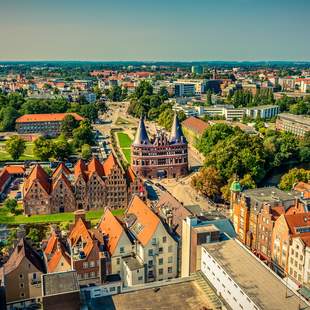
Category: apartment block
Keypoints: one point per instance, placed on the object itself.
(296, 124)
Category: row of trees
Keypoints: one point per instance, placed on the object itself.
(231, 153)
(74, 137)
(16, 104)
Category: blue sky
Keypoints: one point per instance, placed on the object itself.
(154, 30)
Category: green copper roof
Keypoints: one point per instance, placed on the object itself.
(235, 186)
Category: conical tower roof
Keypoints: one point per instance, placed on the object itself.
(141, 134)
(176, 134)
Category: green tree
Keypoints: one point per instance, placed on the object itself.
(294, 176)
(8, 116)
(43, 148)
(11, 205)
(69, 123)
(209, 97)
(208, 182)
(83, 134)
(115, 93)
(86, 151)
(34, 235)
(62, 148)
(15, 146)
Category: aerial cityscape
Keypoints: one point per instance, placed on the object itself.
(154, 155)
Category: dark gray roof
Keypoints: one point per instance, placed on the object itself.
(176, 134)
(141, 134)
(60, 282)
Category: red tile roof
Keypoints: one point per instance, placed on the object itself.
(109, 164)
(37, 174)
(304, 188)
(146, 218)
(80, 168)
(51, 244)
(61, 168)
(297, 220)
(112, 229)
(15, 169)
(195, 124)
(95, 166)
(54, 261)
(51, 117)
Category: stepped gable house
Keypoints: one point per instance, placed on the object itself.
(89, 186)
(162, 156)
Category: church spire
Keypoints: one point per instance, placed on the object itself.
(176, 134)
(141, 134)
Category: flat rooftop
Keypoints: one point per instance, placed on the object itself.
(186, 295)
(208, 228)
(270, 194)
(60, 282)
(256, 280)
(303, 120)
(132, 263)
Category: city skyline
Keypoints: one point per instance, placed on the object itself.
(240, 30)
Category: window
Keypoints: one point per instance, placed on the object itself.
(170, 259)
(121, 249)
(118, 261)
(21, 285)
(22, 295)
(150, 263)
(91, 264)
(160, 261)
(160, 271)
(140, 278)
(150, 252)
(92, 274)
(164, 239)
(85, 265)
(21, 276)
(169, 269)
(112, 289)
(170, 248)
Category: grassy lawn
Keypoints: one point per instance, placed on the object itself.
(122, 121)
(124, 140)
(28, 155)
(127, 154)
(7, 218)
(125, 143)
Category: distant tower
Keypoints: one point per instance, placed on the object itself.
(214, 74)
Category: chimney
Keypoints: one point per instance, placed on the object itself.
(79, 214)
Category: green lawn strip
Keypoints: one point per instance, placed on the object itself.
(28, 155)
(8, 218)
(127, 154)
(122, 121)
(124, 140)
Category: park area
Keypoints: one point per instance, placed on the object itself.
(6, 217)
(28, 155)
(125, 144)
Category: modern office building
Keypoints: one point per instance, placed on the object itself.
(185, 88)
(296, 124)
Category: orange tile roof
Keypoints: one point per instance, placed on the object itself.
(297, 220)
(50, 117)
(63, 177)
(4, 177)
(145, 217)
(95, 166)
(109, 164)
(15, 169)
(80, 168)
(112, 229)
(54, 261)
(37, 173)
(304, 188)
(51, 244)
(80, 231)
(61, 168)
(195, 124)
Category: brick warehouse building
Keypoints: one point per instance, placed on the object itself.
(46, 124)
(89, 186)
(162, 156)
